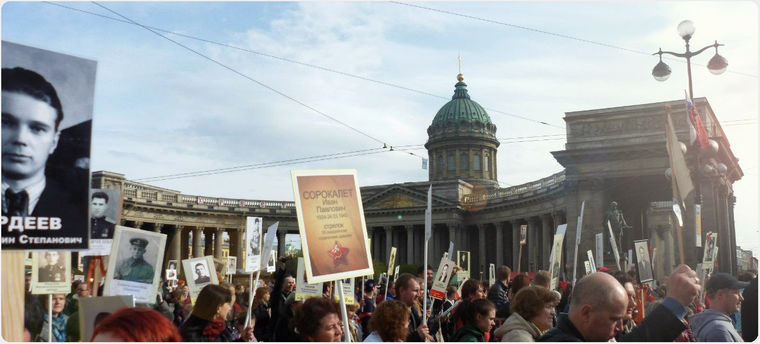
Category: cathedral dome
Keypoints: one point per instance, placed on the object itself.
(461, 115)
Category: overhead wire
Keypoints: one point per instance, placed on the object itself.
(310, 65)
(588, 41)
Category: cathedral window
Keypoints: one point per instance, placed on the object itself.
(476, 162)
(464, 161)
(452, 165)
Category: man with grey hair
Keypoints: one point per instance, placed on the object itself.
(598, 307)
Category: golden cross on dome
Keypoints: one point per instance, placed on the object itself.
(460, 76)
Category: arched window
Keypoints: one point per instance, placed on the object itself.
(486, 164)
(476, 162)
(464, 162)
(440, 163)
(452, 165)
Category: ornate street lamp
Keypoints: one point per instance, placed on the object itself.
(717, 64)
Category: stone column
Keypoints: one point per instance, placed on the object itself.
(548, 239)
(388, 242)
(482, 246)
(197, 243)
(409, 244)
(157, 227)
(218, 242)
(452, 238)
(138, 224)
(183, 244)
(175, 248)
(370, 233)
(533, 244)
(499, 244)
(280, 241)
(208, 241)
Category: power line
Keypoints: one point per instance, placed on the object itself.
(588, 41)
(385, 83)
(245, 76)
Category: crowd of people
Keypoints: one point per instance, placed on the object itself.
(518, 307)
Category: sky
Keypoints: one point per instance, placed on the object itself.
(264, 79)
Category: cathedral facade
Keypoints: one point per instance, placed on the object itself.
(615, 154)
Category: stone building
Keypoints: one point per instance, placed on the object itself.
(614, 154)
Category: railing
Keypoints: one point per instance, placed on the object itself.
(149, 193)
(547, 182)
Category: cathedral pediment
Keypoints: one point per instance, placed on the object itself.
(396, 196)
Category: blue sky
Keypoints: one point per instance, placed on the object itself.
(160, 109)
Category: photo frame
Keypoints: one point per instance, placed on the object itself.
(199, 272)
(253, 243)
(105, 213)
(644, 263)
(93, 309)
(132, 265)
(51, 272)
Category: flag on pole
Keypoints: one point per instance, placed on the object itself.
(429, 214)
(697, 131)
(678, 168)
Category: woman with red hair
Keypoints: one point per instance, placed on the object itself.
(136, 325)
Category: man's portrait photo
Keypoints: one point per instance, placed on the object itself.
(51, 272)
(254, 244)
(463, 260)
(644, 265)
(134, 267)
(172, 265)
(231, 265)
(52, 268)
(103, 213)
(45, 143)
(444, 273)
(201, 273)
(134, 264)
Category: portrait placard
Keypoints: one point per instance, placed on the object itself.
(644, 262)
(199, 272)
(442, 278)
(105, 211)
(391, 262)
(710, 251)
(556, 259)
(305, 290)
(587, 265)
(171, 274)
(491, 274)
(348, 292)
(92, 310)
(51, 272)
(135, 254)
(395, 273)
(173, 264)
(271, 261)
(51, 166)
(331, 223)
(523, 234)
(231, 265)
(253, 243)
(463, 260)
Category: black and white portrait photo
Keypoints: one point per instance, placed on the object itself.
(173, 264)
(51, 272)
(231, 265)
(47, 102)
(199, 272)
(463, 260)
(253, 244)
(201, 275)
(271, 267)
(134, 264)
(642, 257)
(104, 213)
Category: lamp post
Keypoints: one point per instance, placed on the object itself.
(717, 64)
(661, 72)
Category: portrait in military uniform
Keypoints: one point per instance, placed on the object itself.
(134, 267)
(253, 244)
(52, 269)
(104, 211)
(198, 273)
(51, 272)
(644, 263)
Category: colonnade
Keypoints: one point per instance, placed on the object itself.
(496, 242)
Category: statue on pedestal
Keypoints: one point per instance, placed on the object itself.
(618, 224)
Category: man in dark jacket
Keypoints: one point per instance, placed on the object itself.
(599, 304)
(283, 286)
(749, 312)
(498, 292)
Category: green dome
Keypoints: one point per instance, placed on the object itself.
(461, 108)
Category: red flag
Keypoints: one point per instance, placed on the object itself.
(695, 124)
